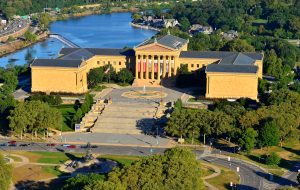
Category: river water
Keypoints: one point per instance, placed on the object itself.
(103, 31)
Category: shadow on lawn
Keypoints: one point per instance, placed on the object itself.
(54, 184)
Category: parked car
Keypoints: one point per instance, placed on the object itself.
(71, 146)
(65, 145)
(12, 142)
(3, 144)
(24, 144)
(51, 144)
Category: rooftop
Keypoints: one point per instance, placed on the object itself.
(170, 41)
(227, 61)
(73, 57)
(56, 63)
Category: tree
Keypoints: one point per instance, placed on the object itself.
(184, 24)
(269, 134)
(125, 76)
(238, 45)
(77, 116)
(34, 117)
(298, 178)
(29, 37)
(248, 139)
(10, 80)
(273, 159)
(136, 17)
(5, 174)
(178, 123)
(80, 181)
(44, 20)
(10, 12)
(95, 76)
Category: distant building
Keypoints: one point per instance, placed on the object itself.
(198, 28)
(170, 23)
(158, 22)
(230, 35)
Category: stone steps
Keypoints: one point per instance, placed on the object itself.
(125, 121)
(125, 118)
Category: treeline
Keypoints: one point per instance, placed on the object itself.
(275, 120)
(276, 18)
(24, 7)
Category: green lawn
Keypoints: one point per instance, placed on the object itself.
(52, 170)
(223, 180)
(99, 88)
(122, 160)
(67, 111)
(55, 157)
(288, 153)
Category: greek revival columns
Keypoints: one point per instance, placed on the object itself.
(153, 67)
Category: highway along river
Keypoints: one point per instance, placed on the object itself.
(105, 30)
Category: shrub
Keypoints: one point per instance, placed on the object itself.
(273, 159)
(50, 99)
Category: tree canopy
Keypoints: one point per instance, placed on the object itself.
(34, 117)
(176, 169)
(5, 174)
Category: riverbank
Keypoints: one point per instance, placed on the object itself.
(11, 47)
(144, 27)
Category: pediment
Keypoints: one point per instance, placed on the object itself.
(154, 48)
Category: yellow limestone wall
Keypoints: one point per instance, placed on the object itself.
(196, 63)
(53, 79)
(118, 62)
(231, 85)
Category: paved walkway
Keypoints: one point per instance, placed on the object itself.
(216, 173)
(116, 139)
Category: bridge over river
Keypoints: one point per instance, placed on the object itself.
(64, 40)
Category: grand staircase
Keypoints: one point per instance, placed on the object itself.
(126, 118)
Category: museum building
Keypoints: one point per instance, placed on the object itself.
(228, 74)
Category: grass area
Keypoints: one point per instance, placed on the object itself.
(289, 153)
(29, 172)
(52, 170)
(49, 157)
(223, 180)
(15, 158)
(67, 111)
(260, 21)
(122, 160)
(99, 88)
(206, 170)
(195, 100)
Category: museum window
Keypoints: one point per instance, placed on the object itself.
(103, 62)
(98, 62)
(120, 63)
(197, 65)
(109, 62)
(192, 65)
(114, 63)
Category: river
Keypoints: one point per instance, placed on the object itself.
(102, 31)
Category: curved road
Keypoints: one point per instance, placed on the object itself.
(250, 177)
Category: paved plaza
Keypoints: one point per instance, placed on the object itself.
(170, 95)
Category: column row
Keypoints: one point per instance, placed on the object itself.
(154, 66)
